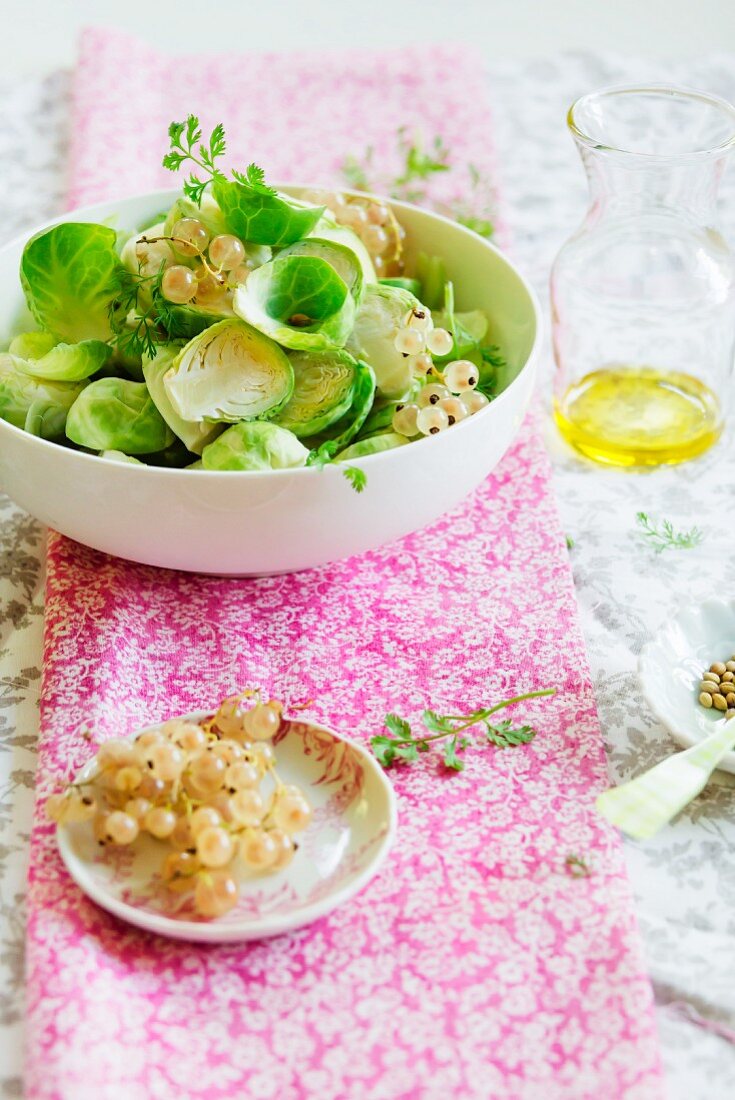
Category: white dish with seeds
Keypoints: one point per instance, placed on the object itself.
(672, 666)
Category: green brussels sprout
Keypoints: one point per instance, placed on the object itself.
(324, 385)
(193, 434)
(37, 406)
(413, 286)
(372, 446)
(71, 276)
(381, 313)
(115, 415)
(32, 345)
(344, 430)
(120, 456)
(255, 445)
(260, 215)
(68, 362)
(229, 372)
(299, 301)
(344, 260)
(329, 229)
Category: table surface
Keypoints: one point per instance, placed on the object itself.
(684, 880)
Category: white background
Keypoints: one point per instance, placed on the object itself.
(38, 35)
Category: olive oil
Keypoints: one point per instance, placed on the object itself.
(639, 416)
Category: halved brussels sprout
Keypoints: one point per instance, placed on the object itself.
(115, 415)
(372, 446)
(32, 345)
(229, 372)
(255, 445)
(329, 229)
(193, 434)
(68, 362)
(344, 260)
(120, 456)
(37, 406)
(71, 275)
(381, 314)
(324, 384)
(344, 430)
(261, 215)
(299, 301)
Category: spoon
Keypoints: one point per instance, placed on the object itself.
(645, 804)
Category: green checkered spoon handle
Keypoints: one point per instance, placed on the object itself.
(644, 805)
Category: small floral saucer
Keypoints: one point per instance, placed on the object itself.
(671, 666)
(352, 828)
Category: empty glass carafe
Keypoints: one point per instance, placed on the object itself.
(643, 294)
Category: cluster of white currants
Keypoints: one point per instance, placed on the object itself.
(452, 397)
(221, 263)
(372, 221)
(198, 787)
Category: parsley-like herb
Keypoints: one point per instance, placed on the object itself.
(400, 744)
(418, 166)
(577, 866)
(662, 536)
(187, 147)
(136, 331)
(323, 455)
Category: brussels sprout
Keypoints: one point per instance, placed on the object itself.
(142, 258)
(413, 286)
(329, 229)
(32, 345)
(229, 372)
(339, 434)
(193, 434)
(69, 362)
(120, 456)
(376, 443)
(256, 445)
(37, 406)
(71, 275)
(261, 215)
(300, 301)
(115, 415)
(324, 384)
(342, 259)
(381, 313)
(185, 322)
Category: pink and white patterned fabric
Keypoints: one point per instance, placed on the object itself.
(476, 965)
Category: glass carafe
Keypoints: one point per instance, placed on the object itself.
(643, 294)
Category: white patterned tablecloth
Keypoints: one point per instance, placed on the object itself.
(684, 881)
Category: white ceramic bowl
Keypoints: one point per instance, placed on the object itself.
(353, 826)
(257, 523)
(671, 666)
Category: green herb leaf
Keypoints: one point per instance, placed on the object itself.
(505, 736)
(437, 723)
(662, 536)
(356, 477)
(451, 760)
(384, 749)
(398, 726)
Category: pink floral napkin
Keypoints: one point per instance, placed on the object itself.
(476, 965)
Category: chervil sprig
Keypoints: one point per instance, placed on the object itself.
(662, 536)
(136, 331)
(419, 165)
(400, 745)
(324, 456)
(187, 145)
